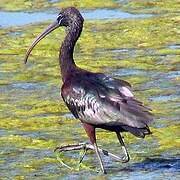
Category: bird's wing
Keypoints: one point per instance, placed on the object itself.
(98, 99)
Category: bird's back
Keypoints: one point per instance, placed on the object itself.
(105, 102)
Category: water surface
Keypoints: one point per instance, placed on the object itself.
(142, 50)
(22, 18)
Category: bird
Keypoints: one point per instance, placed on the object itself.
(96, 99)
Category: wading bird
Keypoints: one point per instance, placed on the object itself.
(97, 100)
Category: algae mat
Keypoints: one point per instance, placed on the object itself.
(34, 119)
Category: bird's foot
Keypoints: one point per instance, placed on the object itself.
(70, 147)
(88, 146)
(125, 159)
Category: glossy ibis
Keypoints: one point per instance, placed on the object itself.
(97, 100)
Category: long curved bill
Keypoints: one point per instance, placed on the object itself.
(49, 29)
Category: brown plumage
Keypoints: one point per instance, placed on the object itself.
(99, 101)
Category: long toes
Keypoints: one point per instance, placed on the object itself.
(57, 149)
(69, 147)
(62, 148)
(125, 159)
(104, 172)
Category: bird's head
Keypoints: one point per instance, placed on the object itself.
(67, 17)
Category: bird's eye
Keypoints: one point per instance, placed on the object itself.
(59, 18)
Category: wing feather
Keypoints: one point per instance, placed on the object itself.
(101, 100)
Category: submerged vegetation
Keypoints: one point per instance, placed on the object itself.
(39, 4)
(141, 6)
(33, 118)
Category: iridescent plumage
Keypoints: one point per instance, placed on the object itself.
(99, 101)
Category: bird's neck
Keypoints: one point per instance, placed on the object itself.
(67, 63)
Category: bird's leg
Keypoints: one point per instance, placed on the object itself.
(84, 153)
(85, 146)
(99, 158)
(126, 158)
(90, 130)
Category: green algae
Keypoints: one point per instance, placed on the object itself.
(39, 4)
(23, 4)
(131, 33)
(87, 4)
(155, 6)
(38, 163)
(166, 138)
(28, 142)
(36, 119)
(142, 6)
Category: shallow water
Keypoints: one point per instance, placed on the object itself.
(23, 18)
(174, 46)
(34, 119)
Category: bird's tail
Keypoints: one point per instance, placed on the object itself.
(139, 132)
